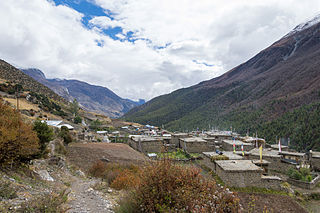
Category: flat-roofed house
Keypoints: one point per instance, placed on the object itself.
(194, 145)
(146, 144)
(210, 158)
(227, 145)
(244, 173)
(175, 138)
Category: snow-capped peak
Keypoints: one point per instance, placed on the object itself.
(305, 25)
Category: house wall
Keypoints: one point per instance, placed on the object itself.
(175, 139)
(151, 146)
(239, 179)
(229, 147)
(247, 179)
(315, 163)
(196, 147)
(275, 163)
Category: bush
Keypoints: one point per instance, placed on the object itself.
(45, 134)
(6, 191)
(219, 157)
(77, 119)
(169, 187)
(118, 176)
(65, 135)
(302, 174)
(52, 203)
(18, 142)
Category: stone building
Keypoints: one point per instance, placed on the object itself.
(272, 156)
(146, 144)
(175, 138)
(227, 145)
(220, 136)
(276, 147)
(207, 158)
(315, 160)
(243, 173)
(194, 145)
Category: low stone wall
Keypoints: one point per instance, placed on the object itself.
(208, 163)
(304, 185)
(270, 182)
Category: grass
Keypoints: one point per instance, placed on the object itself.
(7, 191)
(257, 190)
(53, 203)
(178, 155)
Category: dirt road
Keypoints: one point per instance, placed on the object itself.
(84, 199)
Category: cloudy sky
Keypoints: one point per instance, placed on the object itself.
(143, 48)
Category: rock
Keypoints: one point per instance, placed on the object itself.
(58, 161)
(44, 175)
(80, 173)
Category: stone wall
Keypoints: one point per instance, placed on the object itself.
(304, 185)
(315, 163)
(239, 178)
(196, 147)
(275, 163)
(229, 147)
(175, 139)
(248, 179)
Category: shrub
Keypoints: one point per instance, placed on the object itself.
(219, 157)
(6, 191)
(302, 174)
(77, 119)
(118, 176)
(52, 203)
(18, 142)
(65, 135)
(169, 187)
(45, 134)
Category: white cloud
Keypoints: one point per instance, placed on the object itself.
(191, 34)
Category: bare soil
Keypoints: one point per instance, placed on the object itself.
(271, 202)
(84, 155)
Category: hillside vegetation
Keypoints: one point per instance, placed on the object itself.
(274, 94)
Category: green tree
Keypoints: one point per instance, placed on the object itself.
(74, 107)
(65, 135)
(77, 119)
(45, 134)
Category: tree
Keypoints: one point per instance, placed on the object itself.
(45, 134)
(77, 119)
(18, 142)
(65, 135)
(74, 107)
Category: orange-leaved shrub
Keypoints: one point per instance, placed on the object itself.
(170, 187)
(18, 141)
(118, 176)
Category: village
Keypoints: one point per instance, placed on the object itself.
(239, 161)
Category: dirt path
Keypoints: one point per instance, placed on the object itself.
(84, 199)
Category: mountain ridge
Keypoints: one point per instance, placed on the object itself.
(279, 79)
(92, 97)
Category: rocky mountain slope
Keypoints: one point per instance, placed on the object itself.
(14, 75)
(272, 93)
(93, 98)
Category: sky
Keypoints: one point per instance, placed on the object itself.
(143, 48)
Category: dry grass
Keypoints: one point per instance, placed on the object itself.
(23, 104)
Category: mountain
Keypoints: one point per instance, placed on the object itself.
(276, 94)
(12, 74)
(94, 98)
